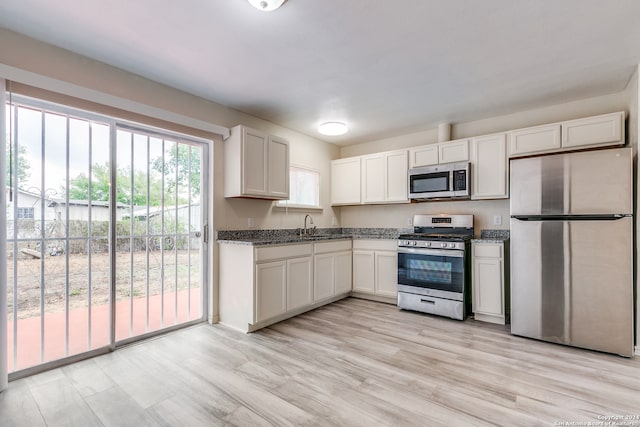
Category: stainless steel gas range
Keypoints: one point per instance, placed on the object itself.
(434, 265)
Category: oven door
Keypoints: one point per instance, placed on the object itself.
(441, 270)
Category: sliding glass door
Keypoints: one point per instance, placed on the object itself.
(104, 232)
(158, 265)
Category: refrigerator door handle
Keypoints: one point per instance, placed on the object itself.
(595, 217)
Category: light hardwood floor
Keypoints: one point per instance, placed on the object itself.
(351, 363)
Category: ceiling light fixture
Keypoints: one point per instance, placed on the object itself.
(267, 5)
(333, 128)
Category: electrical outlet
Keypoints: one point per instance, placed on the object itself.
(497, 220)
(250, 222)
(409, 222)
(334, 221)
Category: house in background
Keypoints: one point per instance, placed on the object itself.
(29, 208)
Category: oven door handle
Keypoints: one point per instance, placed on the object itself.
(437, 252)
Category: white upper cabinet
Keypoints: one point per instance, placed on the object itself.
(489, 167)
(256, 165)
(384, 177)
(425, 155)
(607, 129)
(396, 186)
(278, 168)
(443, 152)
(534, 139)
(453, 151)
(345, 181)
(373, 178)
(597, 131)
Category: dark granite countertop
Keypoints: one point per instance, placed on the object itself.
(292, 236)
(493, 236)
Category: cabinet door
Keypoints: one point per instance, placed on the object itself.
(363, 271)
(536, 139)
(425, 155)
(489, 167)
(345, 181)
(453, 151)
(373, 178)
(254, 162)
(342, 272)
(323, 277)
(386, 272)
(271, 281)
(396, 175)
(607, 129)
(488, 288)
(299, 282)
(278, 169)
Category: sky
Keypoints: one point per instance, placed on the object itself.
(88, 144)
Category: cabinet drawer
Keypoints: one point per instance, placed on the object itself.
(488, 250)
(376, 244)
(280, 252)
(333, 246)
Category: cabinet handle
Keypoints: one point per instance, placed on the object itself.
(428, 301)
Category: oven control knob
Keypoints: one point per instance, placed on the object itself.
(452, 245)
(414, 243)
(427, 244)
(443, 245)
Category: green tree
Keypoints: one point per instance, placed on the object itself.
(180, 156)
(79, 186)
(22, 167)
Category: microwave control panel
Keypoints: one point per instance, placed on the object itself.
(459, 180)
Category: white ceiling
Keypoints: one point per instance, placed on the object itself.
(384, 67)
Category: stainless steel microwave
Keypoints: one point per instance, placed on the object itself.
(448, 181)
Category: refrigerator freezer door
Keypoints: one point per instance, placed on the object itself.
(571, 283)
(590, 182)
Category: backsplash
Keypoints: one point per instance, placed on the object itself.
(495, 234)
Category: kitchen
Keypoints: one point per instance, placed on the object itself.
(307, 151)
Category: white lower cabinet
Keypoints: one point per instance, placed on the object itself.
(489, 288)
(271, 289)
(386, 273)
(364, 271)
(375, 267)
(299, 282)
(263, 285)
(342, 272)
(332, 269)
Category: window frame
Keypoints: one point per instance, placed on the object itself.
(284, 204)
(22, 210)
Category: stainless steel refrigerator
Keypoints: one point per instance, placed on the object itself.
(572, 249)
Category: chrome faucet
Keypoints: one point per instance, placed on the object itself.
(306, 231)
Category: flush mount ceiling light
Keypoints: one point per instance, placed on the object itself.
(267, 5)
(333, 128)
